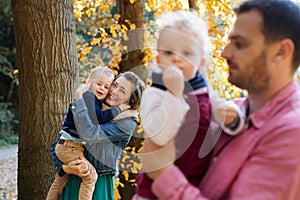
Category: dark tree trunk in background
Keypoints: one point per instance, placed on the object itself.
(47, 61)
(132, 60)
(192, 5)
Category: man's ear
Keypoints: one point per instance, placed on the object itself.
(285, 49)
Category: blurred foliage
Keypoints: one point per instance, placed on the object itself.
(7, 42)
(219, 15)
(8, 125)
(128, 165)
(99, 36)
(8, 78)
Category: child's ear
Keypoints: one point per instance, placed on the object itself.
(156, 58)
(202, 63)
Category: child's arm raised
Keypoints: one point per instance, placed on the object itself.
(162, 112)
(226, 113)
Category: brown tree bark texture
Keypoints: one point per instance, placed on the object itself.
(47, 60)
(132, 60)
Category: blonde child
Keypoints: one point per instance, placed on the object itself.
(69, 146)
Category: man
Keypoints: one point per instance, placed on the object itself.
(263, 161)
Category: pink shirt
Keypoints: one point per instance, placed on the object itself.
(263, 162)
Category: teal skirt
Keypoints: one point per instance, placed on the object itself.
(104, 188)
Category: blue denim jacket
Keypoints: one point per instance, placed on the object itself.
(104, 142)
(97, 115)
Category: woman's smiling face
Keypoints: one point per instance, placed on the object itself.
(119, 92)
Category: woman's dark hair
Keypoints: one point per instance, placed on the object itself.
(281, 19)
(139, 87)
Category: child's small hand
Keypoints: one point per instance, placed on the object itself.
(81, 90)
(124, 107)
(225, 115)
(174, 80)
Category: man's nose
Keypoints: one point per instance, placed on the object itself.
(226, 52)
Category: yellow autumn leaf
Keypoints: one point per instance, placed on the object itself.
(126, 175)
(140, 130)
(122, 165)
(127, 148)
(117, 16)
(124, 27)
(86, 51)
(132, 26)
(82, 58)
(95, 41)
(133, 149)
(125, 157)
(121, 185)
(125, 37)
(117, 195)
(105, 46)
(113, 32)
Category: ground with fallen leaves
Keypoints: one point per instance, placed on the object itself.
(8, 173)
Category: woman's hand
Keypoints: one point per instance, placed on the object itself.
(174, 80)
(157, 159)
(78, 167)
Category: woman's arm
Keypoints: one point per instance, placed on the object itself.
(112, 131)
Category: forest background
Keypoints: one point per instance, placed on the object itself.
(34, 50)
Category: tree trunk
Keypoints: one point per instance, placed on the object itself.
(47, 61)
(193, 5)
(132, 60)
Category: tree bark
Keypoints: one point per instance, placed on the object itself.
(132, 60)
(193, 5)
(47, 60)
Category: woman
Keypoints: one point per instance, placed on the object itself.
(105, 142)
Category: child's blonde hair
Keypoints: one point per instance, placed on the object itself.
(98, 71)
(190, 22)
